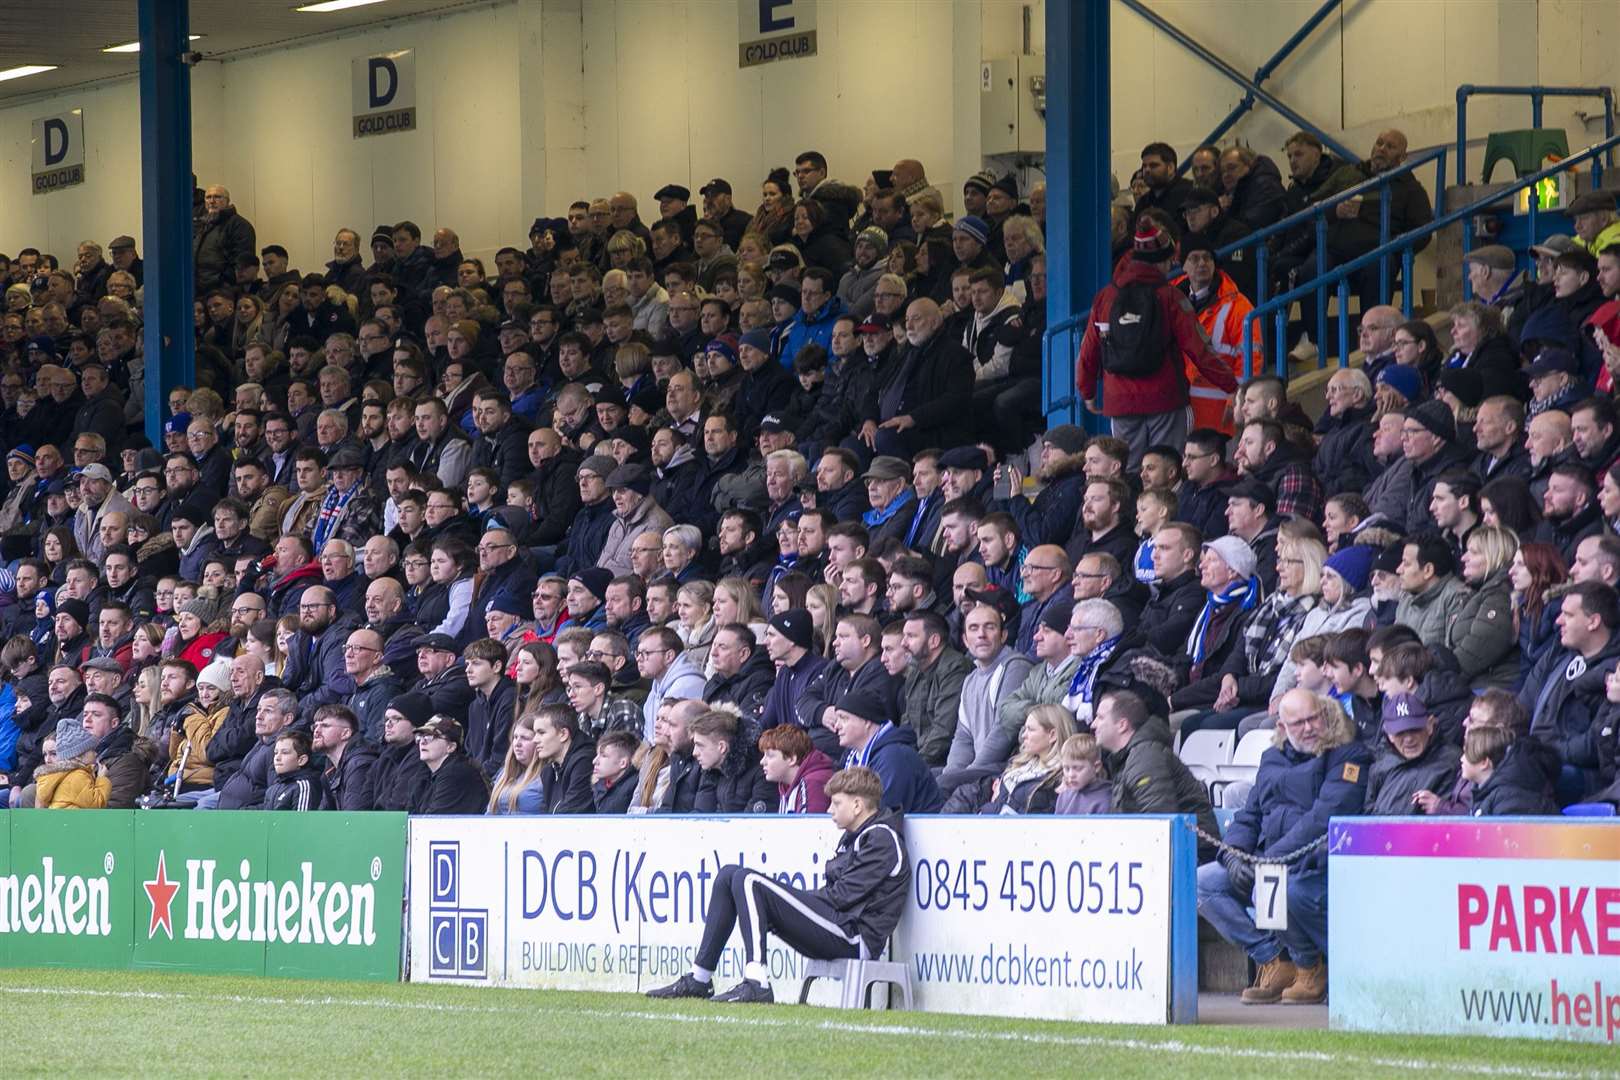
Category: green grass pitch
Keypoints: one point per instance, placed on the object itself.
(158, 1024)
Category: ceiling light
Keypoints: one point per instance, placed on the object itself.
(135, 46)
(336, 5)
(25, 70)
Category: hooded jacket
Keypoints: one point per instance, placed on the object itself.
(1166, 389)
(399, 777)
(1481, 635)
(908, 786)
(808, 792)
(747, 689)
(1295, 793)
(568, 782)
(1344, 457)
(350, 781)
(737, 785)
(245, 787)
(868, 880)
(1431, 611)
(1521, 784)
(370, 700)
(932, 697)
(70, 785)
(128, 759)
(980, 743)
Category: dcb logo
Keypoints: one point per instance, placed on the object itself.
(457, 936)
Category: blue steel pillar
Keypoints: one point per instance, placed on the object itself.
(166, 204)
(1078, 230)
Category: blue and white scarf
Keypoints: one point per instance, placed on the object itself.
(1086, 674)
(1243, 593)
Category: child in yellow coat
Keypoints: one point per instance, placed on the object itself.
(74, 781)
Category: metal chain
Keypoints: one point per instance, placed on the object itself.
(1297, 853)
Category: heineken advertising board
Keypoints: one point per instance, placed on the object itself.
(242, 892)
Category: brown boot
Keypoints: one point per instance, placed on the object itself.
(1310, 986)
(1273, 979)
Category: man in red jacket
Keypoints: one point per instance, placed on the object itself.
(1137, 347)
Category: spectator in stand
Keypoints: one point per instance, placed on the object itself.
(1166, 191)
(867, 732)
(979, 748)
(1315, 769)
(519, 787)
(800, 772)
(348, 758)
(1565, 690)
(1142, 372)
(1147, 776)
(298, 784)
(1510, 775)
(1414, 761)
(1432, 594)
(613, 777)
(568, 758)
(732, 782)
(455, 784)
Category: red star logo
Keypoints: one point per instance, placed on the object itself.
(160, 892)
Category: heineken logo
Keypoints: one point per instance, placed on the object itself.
(253, 907)
(52, 903)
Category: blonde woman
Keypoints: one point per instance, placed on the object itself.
(519, 789)
(736, 601)
(1029, 783)
(695, 623)
(822, 604)
(1481, 634)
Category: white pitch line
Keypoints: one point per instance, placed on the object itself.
(1171, 1046)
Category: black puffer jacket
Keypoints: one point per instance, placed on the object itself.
(1344, 457)
(350, 782)
(217, 244)
(736, 785)
(1258, 199)
(397, 777)
(1521, 784)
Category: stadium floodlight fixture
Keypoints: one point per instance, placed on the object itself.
(335, 5)
(135, 46)
(25, 70)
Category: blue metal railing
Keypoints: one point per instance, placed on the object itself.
(1317, 215)
(1058, 371)
(1339, 277)
(1536, 94)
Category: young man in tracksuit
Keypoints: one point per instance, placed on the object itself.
(851, 916)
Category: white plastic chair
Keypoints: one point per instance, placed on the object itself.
(857, 978)
(1204, 752)
(1245, 763)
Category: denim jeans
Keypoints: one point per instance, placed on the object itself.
(1306, 936)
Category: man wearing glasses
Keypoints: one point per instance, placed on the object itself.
(316, 668)
(500, 570)
(1201, 502)
(375, 682)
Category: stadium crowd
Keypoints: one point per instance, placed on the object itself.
(685, 516)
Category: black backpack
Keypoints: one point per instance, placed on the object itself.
(1137, 337)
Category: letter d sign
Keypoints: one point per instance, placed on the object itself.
(381, 69)
(56, 141)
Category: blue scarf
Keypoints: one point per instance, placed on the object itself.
(864, 754)
(1086, 674)
(332, 508)
(1243, 593)
(874, 518)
